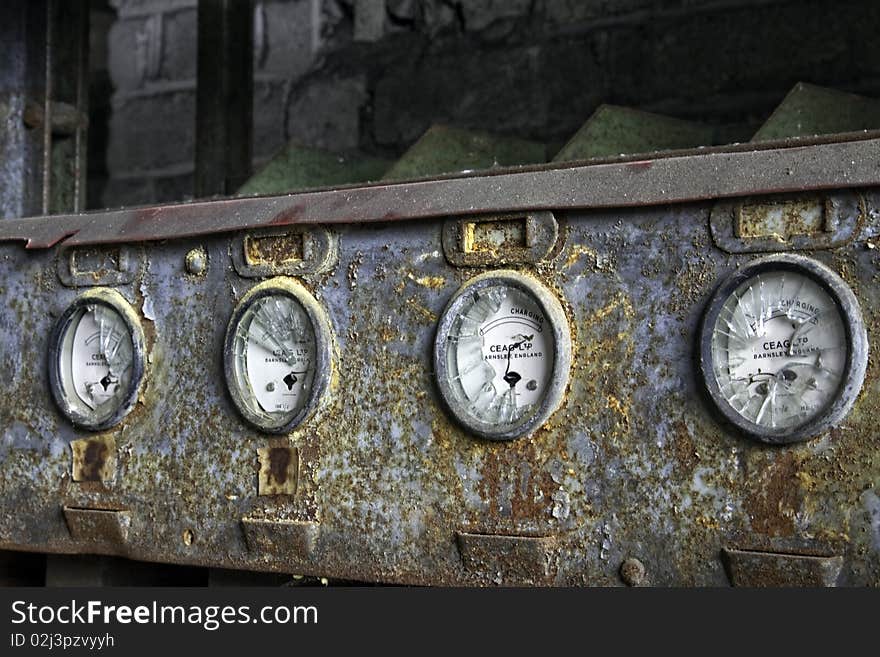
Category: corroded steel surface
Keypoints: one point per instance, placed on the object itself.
(633, 465)
(676, 177)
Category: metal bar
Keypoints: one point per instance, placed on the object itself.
(709, 174)
(21, 84)
(224, 96)
(47, 108)
(82, 104)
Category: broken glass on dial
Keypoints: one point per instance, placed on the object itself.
(275, 356)
(502, 355)
(97, 360)
(781, 349)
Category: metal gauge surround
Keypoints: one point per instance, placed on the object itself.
(502, 355)
(277, 355)
(96, 359)
(783, 349)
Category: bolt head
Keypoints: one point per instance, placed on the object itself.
(632, 572)
(197, 262)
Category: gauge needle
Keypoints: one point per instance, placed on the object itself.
(802, 331)
(512, 378)
(771, 397)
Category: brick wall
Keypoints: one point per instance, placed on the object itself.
(372, 75)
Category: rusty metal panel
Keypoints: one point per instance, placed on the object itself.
(844, 162)
(633, 479)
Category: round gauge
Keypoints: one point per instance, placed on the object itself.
(783, 348)
(277, 355)
(96, 359)
(502, 355)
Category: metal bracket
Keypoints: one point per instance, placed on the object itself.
(105, 527)
(517, 558)
(294, 251)
(293, 537)
(755, 568)
(786, 223)
(90, 266)
(501, 239)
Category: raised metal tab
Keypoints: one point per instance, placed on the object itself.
(293, 251)
(510, 558)
(786, 223)
(297, 537)
(516, 238)
(755, 568)
(86, 266)
(105, 527)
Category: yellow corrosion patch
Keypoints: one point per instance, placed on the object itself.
(421, 310)
(615, 405)
(431, 282)
(807, 482)
(599, 263)
(708, 522)
(387, 334)
(620, 301)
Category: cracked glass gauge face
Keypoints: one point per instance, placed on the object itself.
(97, 360)
(276, 355)
(502, 355)
(786, 345)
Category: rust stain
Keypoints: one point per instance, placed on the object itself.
(289, 215)
(494, 237)
(279, 468)
(427, 315)
(772, 507)
(781, 220)
(94, 459)
(620, 301)
(601, 263)
(275, 250)
(639, 167)
(684, 450)
(615, 404)
(279, 461)
(430, 282)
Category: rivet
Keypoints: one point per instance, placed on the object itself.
(632, 572)
(197, 261)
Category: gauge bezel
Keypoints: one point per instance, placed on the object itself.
(116, 302)
(558, 382)
(323, 351)
(856, 338)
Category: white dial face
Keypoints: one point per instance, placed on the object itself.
(500, 355)
(96, 359)
(274, 359)
(779, 349)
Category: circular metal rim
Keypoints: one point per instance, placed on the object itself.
(114, 300)
(856, 337)
(323, 350)
(552, 309)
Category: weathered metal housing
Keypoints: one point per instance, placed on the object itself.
(380, 483)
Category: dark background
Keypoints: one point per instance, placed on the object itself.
(372, 75)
